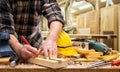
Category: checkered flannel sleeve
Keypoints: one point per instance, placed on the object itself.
(6, 21)
(52, 11)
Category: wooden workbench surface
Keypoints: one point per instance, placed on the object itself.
(70, 68)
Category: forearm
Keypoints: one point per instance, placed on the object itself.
(49, 47)
(55, 29)
(15, 44)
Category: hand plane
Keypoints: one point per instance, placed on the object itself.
(5, 48)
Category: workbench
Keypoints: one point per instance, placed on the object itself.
(70, 68)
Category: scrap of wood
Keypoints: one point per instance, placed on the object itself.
(4, 60)
(51, 63)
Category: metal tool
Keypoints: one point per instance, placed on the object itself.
(14, 60)
(6, 50)
(98, 64)
(107, 59)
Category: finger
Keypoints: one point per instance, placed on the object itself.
(50, 52)
(55, 53)
(33, 50)
(41, 52)
(27, 54)
(46, 53)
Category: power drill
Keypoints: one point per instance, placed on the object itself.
(6, 50)
(100, 47)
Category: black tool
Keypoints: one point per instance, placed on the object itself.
(14, 60)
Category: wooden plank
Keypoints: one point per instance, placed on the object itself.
(109, 21)
(119, 28)
(5, 60)
(90, 36)
(57, 63)
(89, 20)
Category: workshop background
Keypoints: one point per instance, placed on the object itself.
(94, 17)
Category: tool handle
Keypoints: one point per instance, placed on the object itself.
(110, 57)
(14, 60)
(116, 63)
(25, 40)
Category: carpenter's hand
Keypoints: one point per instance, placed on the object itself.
(49, 49)
(28, 51)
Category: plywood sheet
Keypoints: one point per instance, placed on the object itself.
(109, 21)
(89, 20)
(119, 27)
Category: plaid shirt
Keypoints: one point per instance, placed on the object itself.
(22, 17)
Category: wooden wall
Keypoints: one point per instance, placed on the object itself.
(89, 20)
(119, 27)
(101, 22)
(109, 22)
(109, 19)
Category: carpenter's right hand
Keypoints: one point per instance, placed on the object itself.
(28, 51)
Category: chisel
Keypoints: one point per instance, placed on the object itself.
(107, 59)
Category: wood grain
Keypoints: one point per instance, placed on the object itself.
(56, 63)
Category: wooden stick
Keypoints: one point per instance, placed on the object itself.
(4, 60)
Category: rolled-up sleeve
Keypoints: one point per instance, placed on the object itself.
(6, 21)
(52, 12)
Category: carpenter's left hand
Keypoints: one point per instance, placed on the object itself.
(49, 49)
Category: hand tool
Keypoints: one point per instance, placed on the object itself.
(98, 64)
(116, 63)
(6, 50)
(14, 60)
(4, 60)
(107, 59)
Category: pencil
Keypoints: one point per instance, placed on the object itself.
(25, 40)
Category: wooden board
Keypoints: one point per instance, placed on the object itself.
(89, 20)
(109, 21)
(5, 60)
(119, 27)
(58, 63)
